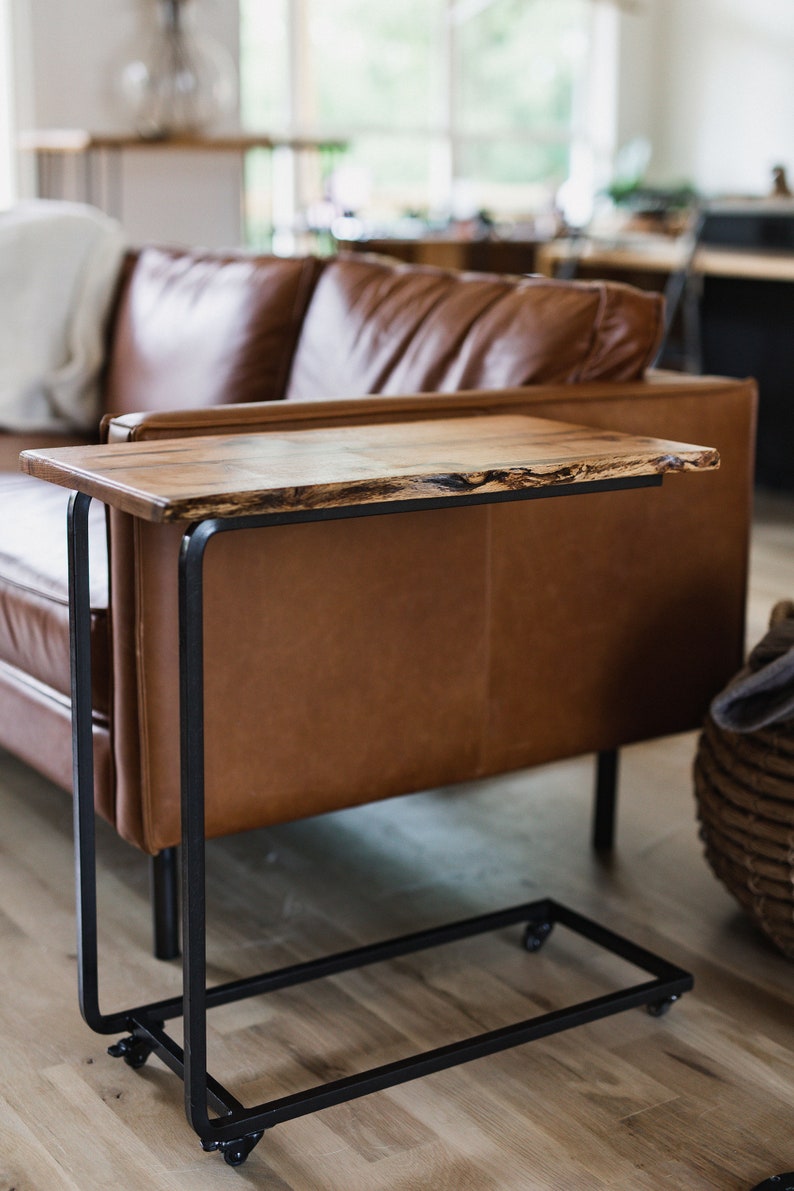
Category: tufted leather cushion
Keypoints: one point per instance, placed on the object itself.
(376, 326)
(193, 330)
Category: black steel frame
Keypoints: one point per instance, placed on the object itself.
(234, 1130)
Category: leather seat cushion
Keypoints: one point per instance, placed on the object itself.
(34, 594)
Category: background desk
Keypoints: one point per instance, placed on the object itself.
(453, 252)
(745, 299)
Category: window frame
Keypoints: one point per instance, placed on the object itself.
(591, 138)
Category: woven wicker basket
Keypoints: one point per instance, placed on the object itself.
(744, 785)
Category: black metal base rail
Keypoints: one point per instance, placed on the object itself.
(235, 1130)
(237, 1123)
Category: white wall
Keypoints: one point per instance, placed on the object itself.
(711, 82)
(8, 181)
(76, 48)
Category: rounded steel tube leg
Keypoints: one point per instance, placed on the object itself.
(191, 721)
(83, 759)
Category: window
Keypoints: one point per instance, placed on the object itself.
(449, 106)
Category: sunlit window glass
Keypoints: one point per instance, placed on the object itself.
(444, 104)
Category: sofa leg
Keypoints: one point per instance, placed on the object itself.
(164, 881)
(605, 803)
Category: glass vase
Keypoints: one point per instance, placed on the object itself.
(182, 81)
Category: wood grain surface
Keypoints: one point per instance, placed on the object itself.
(229, 475)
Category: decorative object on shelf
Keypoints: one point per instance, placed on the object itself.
(744, 783)
(183, 81)
(780, 185)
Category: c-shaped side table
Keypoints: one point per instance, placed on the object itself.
(223, 483)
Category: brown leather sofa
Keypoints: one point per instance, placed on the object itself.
(354, 660)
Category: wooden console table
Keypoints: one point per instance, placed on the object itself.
(224, 483)
(97, 157)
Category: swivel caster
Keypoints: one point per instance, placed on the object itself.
(659, 1008)
(777, 1182)
(133, 1050)
(234, 1152)
(536, 934)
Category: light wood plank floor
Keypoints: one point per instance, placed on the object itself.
(701, 1099)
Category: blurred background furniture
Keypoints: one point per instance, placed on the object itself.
(486, 255)
(736, 307)
(88, 166)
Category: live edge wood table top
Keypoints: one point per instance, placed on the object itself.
(191, 479)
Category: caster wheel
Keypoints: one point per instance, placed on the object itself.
(659, 1008)
(137, 1056)
(778, 1182)
(235, 1152)
(134, 1051)
(536, 934)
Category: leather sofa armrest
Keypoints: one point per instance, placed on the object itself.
(668, 617)
(261, 417)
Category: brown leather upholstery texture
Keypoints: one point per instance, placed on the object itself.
(352, 660)
(402, 654)
(379, 327)
(34, 594)
(195, 330)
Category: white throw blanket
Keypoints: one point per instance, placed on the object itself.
(58, 267)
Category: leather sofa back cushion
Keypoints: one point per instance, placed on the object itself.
(374, 326)
(192, 330)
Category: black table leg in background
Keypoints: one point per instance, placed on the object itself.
(605, 800)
